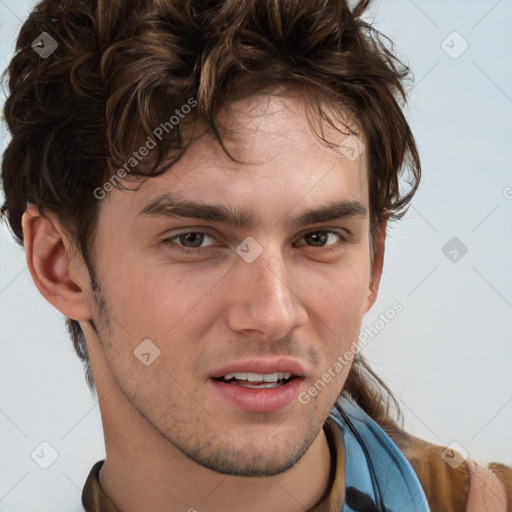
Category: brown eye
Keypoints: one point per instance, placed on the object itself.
(317, 238)
(321, 238)
(189, 239)
(194, 239)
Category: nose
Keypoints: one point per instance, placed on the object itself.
(263, 300)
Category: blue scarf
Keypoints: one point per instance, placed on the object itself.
(375, 465)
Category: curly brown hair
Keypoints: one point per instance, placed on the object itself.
(122, 68)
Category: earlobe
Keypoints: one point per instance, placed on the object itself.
(49, 258)
(377, 265)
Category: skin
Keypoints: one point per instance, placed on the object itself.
(171, 439)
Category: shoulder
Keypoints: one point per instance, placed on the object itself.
(491, 488)
(451, 483)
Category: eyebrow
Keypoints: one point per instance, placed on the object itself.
(169, 206)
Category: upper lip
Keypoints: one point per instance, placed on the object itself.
(262, 366)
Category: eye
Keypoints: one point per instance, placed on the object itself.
(321, 238)
(189, 239)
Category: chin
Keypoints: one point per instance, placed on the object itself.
(258, 466)
(255, 459)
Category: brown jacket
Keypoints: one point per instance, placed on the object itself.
(469, 487)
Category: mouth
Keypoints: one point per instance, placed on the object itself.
(257, 380)
(259, 385)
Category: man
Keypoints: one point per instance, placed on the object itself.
(203, 190)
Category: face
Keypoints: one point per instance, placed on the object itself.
(268, 272)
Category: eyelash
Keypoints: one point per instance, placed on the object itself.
(193, 250)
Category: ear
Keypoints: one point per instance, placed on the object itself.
(59, 273)
(377, 264)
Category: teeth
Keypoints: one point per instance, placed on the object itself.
(258, 377)
(261, 386)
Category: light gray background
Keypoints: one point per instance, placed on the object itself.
(447, 355)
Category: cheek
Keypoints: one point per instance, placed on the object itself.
(159, 299)
(339, 293)
(151, 298)
(338, 305)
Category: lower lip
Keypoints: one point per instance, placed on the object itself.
(258, 400)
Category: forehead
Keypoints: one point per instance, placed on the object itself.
(274, 128)
(280, 162)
